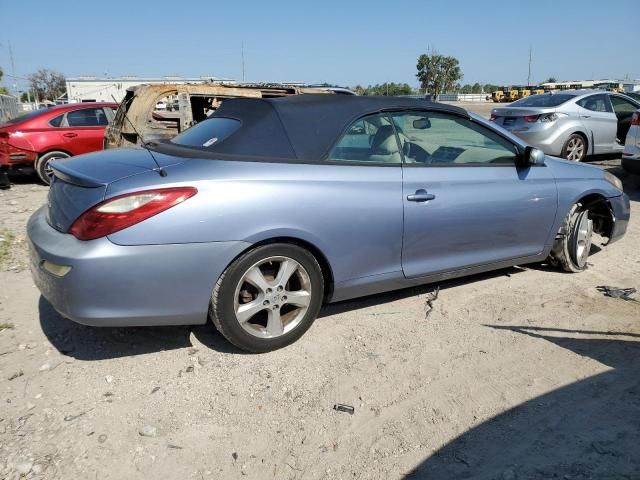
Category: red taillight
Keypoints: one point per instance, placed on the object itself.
(126, 210)
(635, 119)
(531, 118)
(493, 116)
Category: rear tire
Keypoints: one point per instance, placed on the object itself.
(42, 164)
(575, 148)
(268, 298)
(573, 244)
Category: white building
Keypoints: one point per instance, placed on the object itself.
(93, 89)
(626, 85)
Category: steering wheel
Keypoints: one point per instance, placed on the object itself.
(413, 152)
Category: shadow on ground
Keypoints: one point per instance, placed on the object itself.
(93, 343)
(612, 164)
(586, 430)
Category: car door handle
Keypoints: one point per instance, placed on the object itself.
(421, 195)
(586, 116)
(70, 135)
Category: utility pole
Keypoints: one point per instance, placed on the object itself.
(242, 55)
(529, 74)
(13, 67)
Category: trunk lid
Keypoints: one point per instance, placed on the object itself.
(79, 183)
(513, 117)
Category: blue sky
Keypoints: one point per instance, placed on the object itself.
(343, 42)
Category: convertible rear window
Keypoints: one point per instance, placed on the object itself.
(208, 132)
(544, 100)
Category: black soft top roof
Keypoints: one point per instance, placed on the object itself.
(303, 126)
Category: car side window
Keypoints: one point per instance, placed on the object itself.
(596, 103)
(439, 139)
(56, 121)
(368, 139)
(87, 117)
(622, 106)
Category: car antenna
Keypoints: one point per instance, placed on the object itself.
(144, 144)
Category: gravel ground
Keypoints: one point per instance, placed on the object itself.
(521, 373)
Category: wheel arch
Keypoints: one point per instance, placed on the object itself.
(323, 261)
(600, 212)
(51, 150)
(587, 136)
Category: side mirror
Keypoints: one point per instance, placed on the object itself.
(533, 156)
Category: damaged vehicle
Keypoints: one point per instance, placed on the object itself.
(31, 141)
(270, 208)
(160, 112)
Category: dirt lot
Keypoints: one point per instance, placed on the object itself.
(522, 373)
(481, 108)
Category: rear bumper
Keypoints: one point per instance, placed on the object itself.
(114, 285)
(621, 213)
(11, 157)
(548, 140)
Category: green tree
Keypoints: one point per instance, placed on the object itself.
(47, 84)
(550, 80)
(489, 88)
(438, 73)
(466, 88)
(390, 89)
(359, 89)
(24, 98)
(477, 88)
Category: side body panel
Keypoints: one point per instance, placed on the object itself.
(602, 127)
(78, 140)
(353, 214)
(480, 215)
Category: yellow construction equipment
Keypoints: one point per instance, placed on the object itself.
(511, 95)
(497, 96)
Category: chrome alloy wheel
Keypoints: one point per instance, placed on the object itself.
(272, 297)
(575, 149)
(47, 168)
(581, 241)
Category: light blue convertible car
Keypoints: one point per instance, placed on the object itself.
(272, 207)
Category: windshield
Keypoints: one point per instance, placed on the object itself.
(208, 132)
(543, 100)
(26, 116)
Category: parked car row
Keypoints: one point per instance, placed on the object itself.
(269, 208)
(570, 124)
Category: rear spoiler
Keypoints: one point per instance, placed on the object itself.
(75, 178)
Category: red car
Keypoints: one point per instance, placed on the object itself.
(32, 140)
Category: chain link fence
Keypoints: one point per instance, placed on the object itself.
(8, 108)
(455, 97)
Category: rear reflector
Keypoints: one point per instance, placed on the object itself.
(493, 116)
(55, 269)
(531, 118)
(635, 119)
(123, 211)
